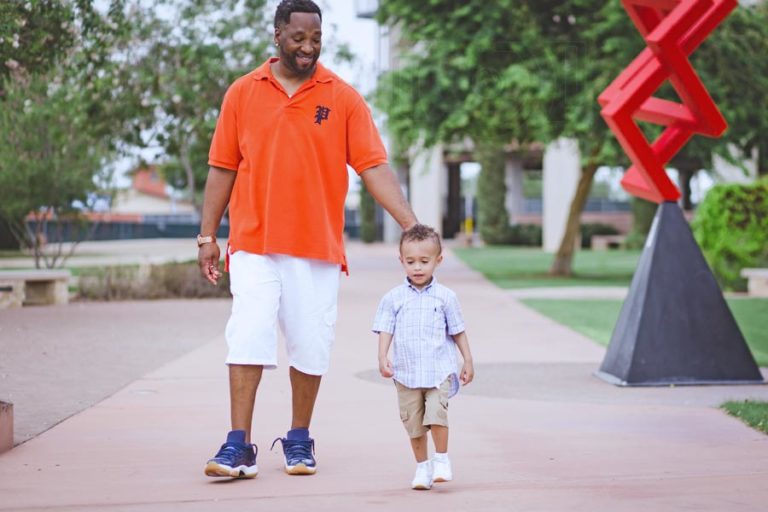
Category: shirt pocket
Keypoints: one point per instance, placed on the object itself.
(437, 325)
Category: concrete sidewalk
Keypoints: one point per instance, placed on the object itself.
(535, 431)
(149, 251)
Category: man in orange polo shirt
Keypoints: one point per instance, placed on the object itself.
(279, 156)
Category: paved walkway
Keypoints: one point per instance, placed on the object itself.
(120, 252)
(535, 432)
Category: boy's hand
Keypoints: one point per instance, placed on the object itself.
(385, 368)
(467, 373)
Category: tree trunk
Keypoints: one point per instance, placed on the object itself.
(563, 264)
(39, 238)
(190, 173)
(686, 174)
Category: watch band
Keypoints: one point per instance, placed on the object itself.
(205, 239)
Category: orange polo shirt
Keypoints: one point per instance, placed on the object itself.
(291, 156)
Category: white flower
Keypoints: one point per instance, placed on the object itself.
(176, 98)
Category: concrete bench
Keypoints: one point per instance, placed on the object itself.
(33, 287)
(605, 242)
(6, 426)
(757, 281)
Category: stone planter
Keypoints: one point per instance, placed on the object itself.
(6, 426)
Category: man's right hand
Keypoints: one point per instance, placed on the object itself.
(208, 260)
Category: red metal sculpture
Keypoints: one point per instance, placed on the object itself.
(672, 29)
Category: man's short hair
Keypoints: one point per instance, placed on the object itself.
(288, 7)
(420, 232)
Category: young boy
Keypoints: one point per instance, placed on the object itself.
(424, 320)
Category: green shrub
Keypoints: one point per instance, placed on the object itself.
(140, 282)
(591, 229)
(528, 235)
(493, 220)
(525, 234)
(731, 226)
(643, 213)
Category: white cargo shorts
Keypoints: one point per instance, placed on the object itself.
(299, 293)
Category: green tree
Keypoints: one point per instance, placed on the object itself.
(190, 57)
(49, 159)
(467, 78)
(65, 108)
(455, 83)
(499, 73)
(33, 35)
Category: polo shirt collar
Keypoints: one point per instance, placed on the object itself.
(264, 72)
(426, 288)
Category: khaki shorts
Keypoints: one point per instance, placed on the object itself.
(422, 407)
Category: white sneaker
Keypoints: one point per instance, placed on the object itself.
(422, 480)
(441, 468)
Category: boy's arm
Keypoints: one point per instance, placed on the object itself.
(468, 368)
(385, 365)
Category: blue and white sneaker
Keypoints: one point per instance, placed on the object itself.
(298, 449)
(235, 459)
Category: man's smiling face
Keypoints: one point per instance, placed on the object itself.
(299, 42)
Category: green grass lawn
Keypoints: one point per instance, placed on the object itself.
(520, 267)
(596, 319)
(754, 414)
(516, 267)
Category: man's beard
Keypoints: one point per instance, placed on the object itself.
(291, 62)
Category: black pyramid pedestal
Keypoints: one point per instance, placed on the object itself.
(675, 326)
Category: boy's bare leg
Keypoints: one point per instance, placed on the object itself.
(419, 446)
(304, 388)
(243, 382)
(440, 438)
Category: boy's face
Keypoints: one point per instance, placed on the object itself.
(419, 259)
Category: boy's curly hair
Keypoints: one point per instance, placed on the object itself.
(421, 232)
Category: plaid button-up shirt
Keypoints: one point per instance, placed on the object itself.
(423, 323)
